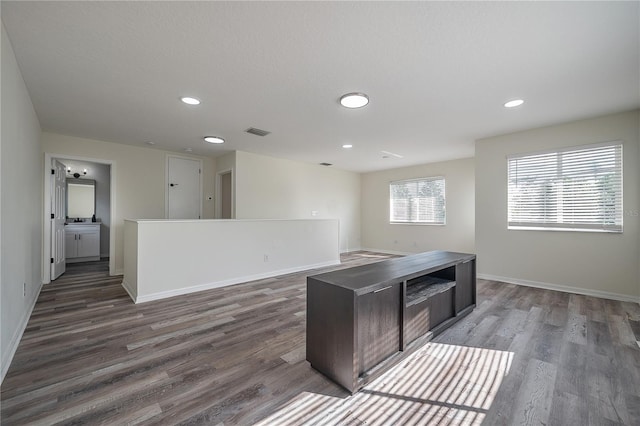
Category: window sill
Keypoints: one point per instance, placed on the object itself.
(541, 228)
(417, 223)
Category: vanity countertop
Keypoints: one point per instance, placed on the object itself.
(82, 223)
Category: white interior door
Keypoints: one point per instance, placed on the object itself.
(58, 214)
(184, 196)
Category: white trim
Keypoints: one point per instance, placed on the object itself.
(17, 337)
(46, 229)
(596, 145)
(218, 220)
(418, 179)
(223, 283)
(563, 288)
(166, 182)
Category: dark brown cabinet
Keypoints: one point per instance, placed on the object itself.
(378, 326)
(362, 320)
(465, 285)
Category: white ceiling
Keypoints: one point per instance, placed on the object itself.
(437, 73)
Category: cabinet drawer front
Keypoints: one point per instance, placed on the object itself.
(417, 320)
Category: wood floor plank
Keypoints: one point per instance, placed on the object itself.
(236, 356)
(533, 406)
(569, 410)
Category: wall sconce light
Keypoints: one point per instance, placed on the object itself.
(76, 174)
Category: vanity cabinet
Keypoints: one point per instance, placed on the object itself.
(82, 242)
(363, 320)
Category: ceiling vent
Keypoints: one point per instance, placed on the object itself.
(257, 132)
(387, 154)
(326, 164)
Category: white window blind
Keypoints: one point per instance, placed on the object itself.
(417, 201)
(577, 188)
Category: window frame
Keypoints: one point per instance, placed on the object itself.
(568, 226)
(421, 179)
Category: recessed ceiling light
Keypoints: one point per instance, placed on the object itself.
(150, 143)
(514, 103)
(213, 139)
(188, 150)
(354, 100)
(347, 146)
(190, 101)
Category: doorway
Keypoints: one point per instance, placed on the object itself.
(224, 206)
(92, 181)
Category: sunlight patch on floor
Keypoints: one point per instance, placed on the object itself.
(438, 384)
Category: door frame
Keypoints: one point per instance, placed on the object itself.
(166, 182)
(46, 228)
(218, 203)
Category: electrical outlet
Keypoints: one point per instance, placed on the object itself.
(266, 257)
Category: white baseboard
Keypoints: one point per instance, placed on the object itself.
(351, 250)
(224, 283)
(118, 272)
(17, 336)
(130, 290)
(563, 288)
(385, 251)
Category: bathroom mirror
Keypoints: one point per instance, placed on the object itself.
(81, 198)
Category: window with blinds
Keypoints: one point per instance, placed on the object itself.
(577, 188)
(417, 201)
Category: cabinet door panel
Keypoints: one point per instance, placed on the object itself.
(465, 285)
(88, 244)
(378, 326)
(70, 245)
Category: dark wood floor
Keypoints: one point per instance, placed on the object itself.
(235, 356)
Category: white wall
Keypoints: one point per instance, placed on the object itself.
(457, 235)
(20, 206)
(602, 264)
(139, 176)
(251, 249)
(272, 188)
